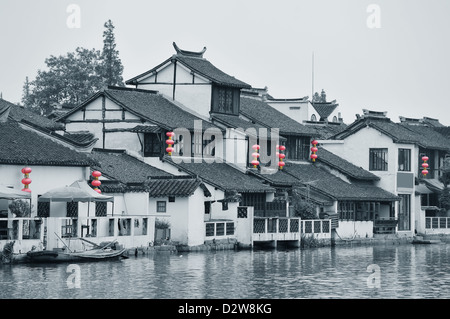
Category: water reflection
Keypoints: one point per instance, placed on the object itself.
(406, 271)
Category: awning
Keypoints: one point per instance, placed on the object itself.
(423, 189)
(10, 193)
(83, 185)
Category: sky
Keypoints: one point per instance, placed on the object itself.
(381, 55)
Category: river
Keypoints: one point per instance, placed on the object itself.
(382, 271)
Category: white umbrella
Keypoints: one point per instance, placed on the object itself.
(10, 193)
(67, 194)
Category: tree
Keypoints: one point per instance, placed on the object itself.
(72, 78)
(110, 68)
(303, 208)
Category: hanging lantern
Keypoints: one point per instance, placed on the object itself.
(170, 142)
(96, 183)
(255, 155)
(314, 150)
(281, 156)
(425, 165)
(26, 181)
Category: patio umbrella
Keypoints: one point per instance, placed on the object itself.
(66, 194)
(98, 197)
(10, 193)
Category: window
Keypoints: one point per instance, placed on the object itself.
(378, 159)
(404, 159)
(160, 206)
(100, 209)
(335, 119)
(152, 145)
(297, 148)
(225, 100)
(171, 199)
(224, 205)
(197, 144)
(404, 212)
(431, 162)
(43, 209)
(207, 207)
(313, 118)
(72, 209)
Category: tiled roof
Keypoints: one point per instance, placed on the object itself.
(234, 121)
(429, 137)
(151, 106)
(223, 176)
(125, 168)
(342, 165)
(330, 185)
(324, 108)
(200, 66)
(326, 130)
(175, 187)
(25, 147)
(262, 113)
(19, 113)
(146, 129)
(81, 137)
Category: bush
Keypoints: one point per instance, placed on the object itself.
(20, 208)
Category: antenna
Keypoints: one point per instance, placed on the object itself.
(312, 77)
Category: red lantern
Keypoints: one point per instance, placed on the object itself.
(255, 155)
(425, 165)
(170, 142)
(26, 180)
(96, 183)
(281, 156)
(314, 150)
(96, 174)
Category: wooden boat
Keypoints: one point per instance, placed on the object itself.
(58, 255)
(51, 256)
(421, 240)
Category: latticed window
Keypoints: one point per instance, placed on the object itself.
(283, 225)
(160, 206)
(209, 229)
(242, 212)
(100, 209)
(378, 159)
(293, 227)
(308, 227)
(152, 145)
(72, 209)
(225, 100)
(220, 229)
(43, 209)
(230, 228)
(317, 228)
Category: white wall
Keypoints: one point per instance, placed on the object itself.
(355, 229)
(290, 108)
(44, 178)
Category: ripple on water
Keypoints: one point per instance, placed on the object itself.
(406, 271)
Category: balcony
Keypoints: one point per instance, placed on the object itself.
(385, 225)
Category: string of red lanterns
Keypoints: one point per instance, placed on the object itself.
(96, 183)
(255, 155)
(425, 165)
(314, 150)
(170, 142)
(26, 181)
(281, 156)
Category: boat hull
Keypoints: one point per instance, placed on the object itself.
(88, 255)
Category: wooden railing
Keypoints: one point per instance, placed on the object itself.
(437, 222)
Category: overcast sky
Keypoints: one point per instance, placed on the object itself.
(402, 67)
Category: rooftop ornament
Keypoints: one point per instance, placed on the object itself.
(425, 165)
(170, 142)
(255, 155)
(281, 156)
(26, 181)
(314, 150)
(96, 183)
